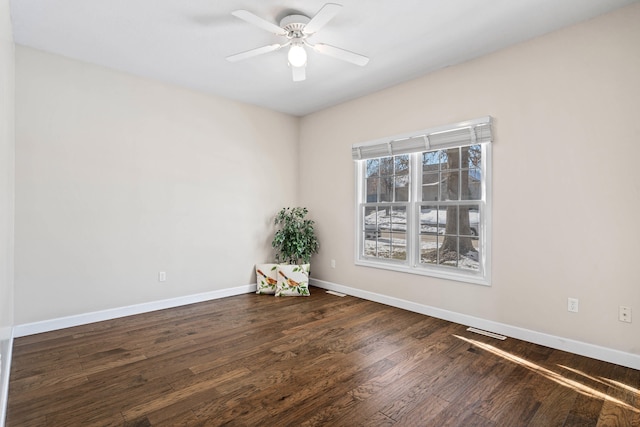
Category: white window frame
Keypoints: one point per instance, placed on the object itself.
(414, 144)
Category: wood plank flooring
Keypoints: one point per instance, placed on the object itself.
(258, 360)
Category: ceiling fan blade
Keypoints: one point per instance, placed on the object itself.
(249, 17)
(299, 73)
(324, 15)
(253, 52)
(339, 53)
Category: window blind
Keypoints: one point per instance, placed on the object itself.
(471, 132)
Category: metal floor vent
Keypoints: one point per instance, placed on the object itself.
(338, 294)
(487, 333)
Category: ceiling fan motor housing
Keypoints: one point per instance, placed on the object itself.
(294, 25)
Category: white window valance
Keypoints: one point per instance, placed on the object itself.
(471, 132)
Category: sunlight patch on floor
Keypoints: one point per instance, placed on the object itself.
(605, 381)
(622, 385)
(557, 377)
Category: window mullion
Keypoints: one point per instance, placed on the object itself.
(413, 220)
(459, 175)
(360, 197)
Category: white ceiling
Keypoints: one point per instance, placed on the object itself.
(186, 42)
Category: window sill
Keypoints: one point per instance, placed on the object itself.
(440, 273)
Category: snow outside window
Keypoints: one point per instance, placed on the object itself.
(426, 212)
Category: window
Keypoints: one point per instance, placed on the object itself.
(422, 202)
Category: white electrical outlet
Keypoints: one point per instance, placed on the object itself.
(162, 276)
(624, 314)
(333, 263)
(572, 305)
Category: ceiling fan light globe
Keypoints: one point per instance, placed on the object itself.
(297, 56)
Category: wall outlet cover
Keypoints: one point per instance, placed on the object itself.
(572, 305)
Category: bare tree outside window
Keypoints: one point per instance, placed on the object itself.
(458, 180)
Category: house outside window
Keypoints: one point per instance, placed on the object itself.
(423, 202)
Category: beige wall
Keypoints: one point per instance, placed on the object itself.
(7, 147)
(118, 178)
(6, 169)
(566, 191)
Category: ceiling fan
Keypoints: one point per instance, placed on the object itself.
(296, 28)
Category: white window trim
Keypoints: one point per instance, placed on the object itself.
(411, 265)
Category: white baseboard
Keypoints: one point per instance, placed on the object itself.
(114, 313)
(577, 347)
(5, 369)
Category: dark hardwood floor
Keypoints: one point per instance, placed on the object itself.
(258, 360)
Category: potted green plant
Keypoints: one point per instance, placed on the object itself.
(295, 241)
